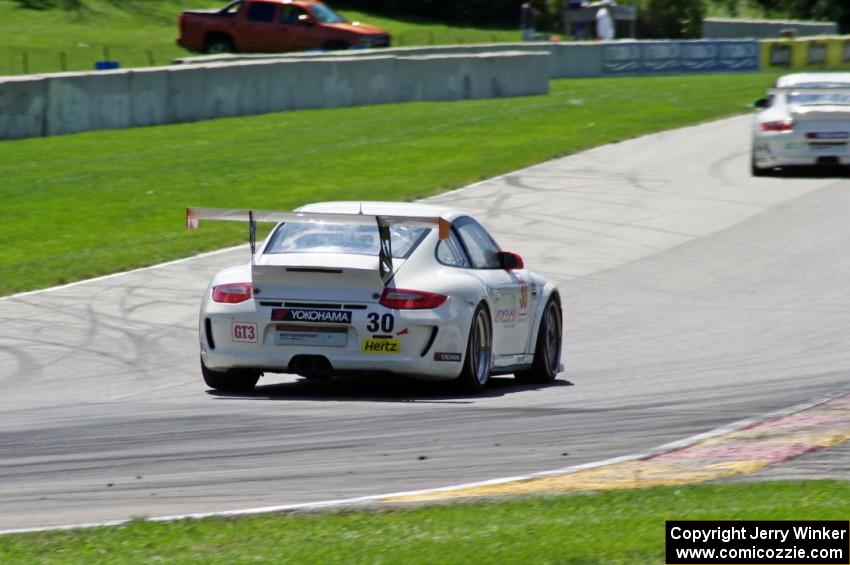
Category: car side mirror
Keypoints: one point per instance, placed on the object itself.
(510, 261)
(306, 21)
(761, 103)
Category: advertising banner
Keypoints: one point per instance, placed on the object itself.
(679, 57)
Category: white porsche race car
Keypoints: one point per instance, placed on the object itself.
(803, 121)
(348, 287)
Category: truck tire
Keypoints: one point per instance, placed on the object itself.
(337, 45)
(218, 44)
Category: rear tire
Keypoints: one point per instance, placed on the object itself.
(336, 46)
(479, 353)
(218, 44)
(234, 380)
(759, 172)
(547, 351)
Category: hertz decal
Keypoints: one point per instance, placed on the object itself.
(382, 346)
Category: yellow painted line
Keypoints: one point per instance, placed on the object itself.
(825, 439)
(626, 475)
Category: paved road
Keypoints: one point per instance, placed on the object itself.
(694, 296)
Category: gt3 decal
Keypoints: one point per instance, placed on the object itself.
(240, 331)
(454, 357)
(308, 315)
(381, 346)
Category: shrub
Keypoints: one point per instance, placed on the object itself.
(670, 19)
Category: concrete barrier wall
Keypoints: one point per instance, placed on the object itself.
(22, 107)
(76, 102)
(729, 28)
(84, 101)
(234, 85)
(150, 97)
(580, 58)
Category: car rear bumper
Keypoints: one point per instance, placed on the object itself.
(793, 152)
(428, 344)
(278, 361)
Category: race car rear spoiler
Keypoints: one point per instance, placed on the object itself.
(385, 254)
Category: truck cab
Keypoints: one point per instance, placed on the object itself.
(274, 26)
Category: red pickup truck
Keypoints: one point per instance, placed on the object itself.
(274, 26)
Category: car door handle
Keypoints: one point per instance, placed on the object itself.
(497, 293)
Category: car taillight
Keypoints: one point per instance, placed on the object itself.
(231, 293)
(778, 125)
(401, 299)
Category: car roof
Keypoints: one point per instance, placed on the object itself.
(377, 208)
(814, 80)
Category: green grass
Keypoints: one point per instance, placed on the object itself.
(136, 33)
(99, 202)
(624, 527)
(73, 34)
(407, 31)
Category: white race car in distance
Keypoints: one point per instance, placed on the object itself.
(803, 121)
(368, 287)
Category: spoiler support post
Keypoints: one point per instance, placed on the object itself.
(385, 253)
(252, 234)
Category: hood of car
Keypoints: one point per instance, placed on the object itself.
(358, 28)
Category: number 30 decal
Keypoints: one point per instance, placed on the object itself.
(385, 323)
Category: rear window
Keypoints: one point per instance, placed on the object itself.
(819, 98)
(327, 237)
(326, 15)
(262, 12)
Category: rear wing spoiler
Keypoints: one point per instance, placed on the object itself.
(383, 222)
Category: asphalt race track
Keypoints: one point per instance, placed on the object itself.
(694, 296)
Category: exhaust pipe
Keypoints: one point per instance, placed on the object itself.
(830, 161)
(311, 366)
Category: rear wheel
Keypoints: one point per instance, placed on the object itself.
(233, 380)
(476, 366)
(218, 44)
(337, 45)
(547, 351)
(758, 171)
